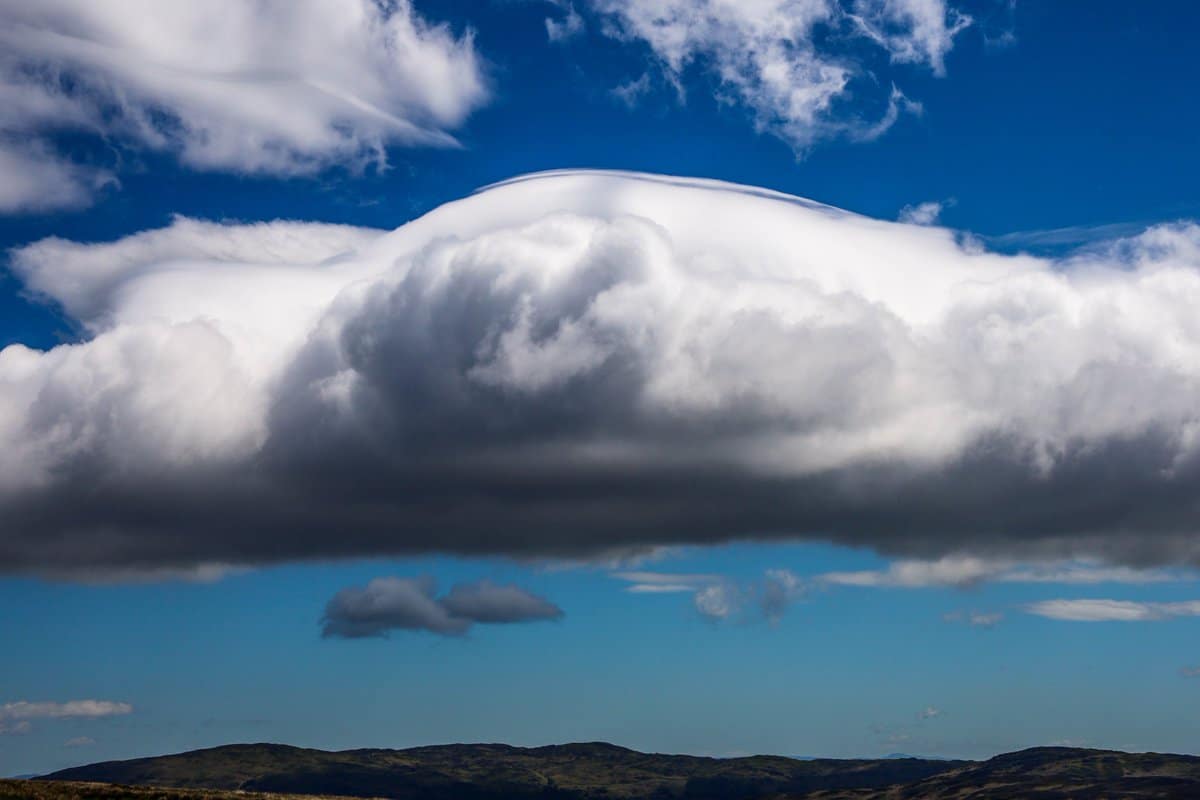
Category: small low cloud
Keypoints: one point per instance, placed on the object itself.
(631, 92)
(929, 712)
(718, 598)
(16, 718)
(1190, 672)
(79, 741)
(1103, 610)
(976, 619)
(966, 571)
(922, 213)
(391, 603)
(567, 25)
(645, 582)
(718, 602)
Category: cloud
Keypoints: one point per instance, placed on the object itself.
(922, 213)
(34, 178)
(579, 364)
(643, 582)
(79, 741)
(776, 592)
(791, 63)
(1190, 672)
(387, 604)
(717, 597)
(965, 571)
(15, 718)
(929, 712)
(720, 601)
(1112, 610)
(569, 26)
(976, 619)
(275, 87)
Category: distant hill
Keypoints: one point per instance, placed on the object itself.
(494, 771)
(598, 771)
(1050, 773)
(23, 789)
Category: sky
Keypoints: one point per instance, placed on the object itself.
(808, 377)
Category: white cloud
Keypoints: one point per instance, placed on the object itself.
(720, 601)
(777, 58)
(948, 571)
(79, 741)
(643, 582)
(968, 571)
(15, 718)
(34, 178)
(921, 214)
(569, 25)
(279, 87)
(717, 597)
(583, 363)
(912, 31)
(1099, 610)
(929, 712)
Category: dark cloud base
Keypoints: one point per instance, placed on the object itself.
(1110, 502)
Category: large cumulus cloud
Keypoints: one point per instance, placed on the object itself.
(574, 364)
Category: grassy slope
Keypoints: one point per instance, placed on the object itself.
(63, 790)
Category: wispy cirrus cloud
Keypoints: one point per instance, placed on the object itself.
(787, 61)
(279, 88)
(964, 571)
(17, 717)
(1105, 610)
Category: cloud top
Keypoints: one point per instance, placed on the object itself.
(579, 364)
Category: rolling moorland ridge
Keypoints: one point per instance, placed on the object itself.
(596, 770)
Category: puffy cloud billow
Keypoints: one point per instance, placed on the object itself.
(278, 87)
(582, 364)
(387, 604)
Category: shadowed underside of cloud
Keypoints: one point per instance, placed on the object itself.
(580, 364)
(387, 604)
(269, 87)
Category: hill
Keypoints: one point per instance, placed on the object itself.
(14, 789)
(1051, 773)
(485, 771)
(598, 771)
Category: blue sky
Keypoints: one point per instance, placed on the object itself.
(1049, 129)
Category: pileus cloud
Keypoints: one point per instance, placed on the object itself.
(580, 364)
